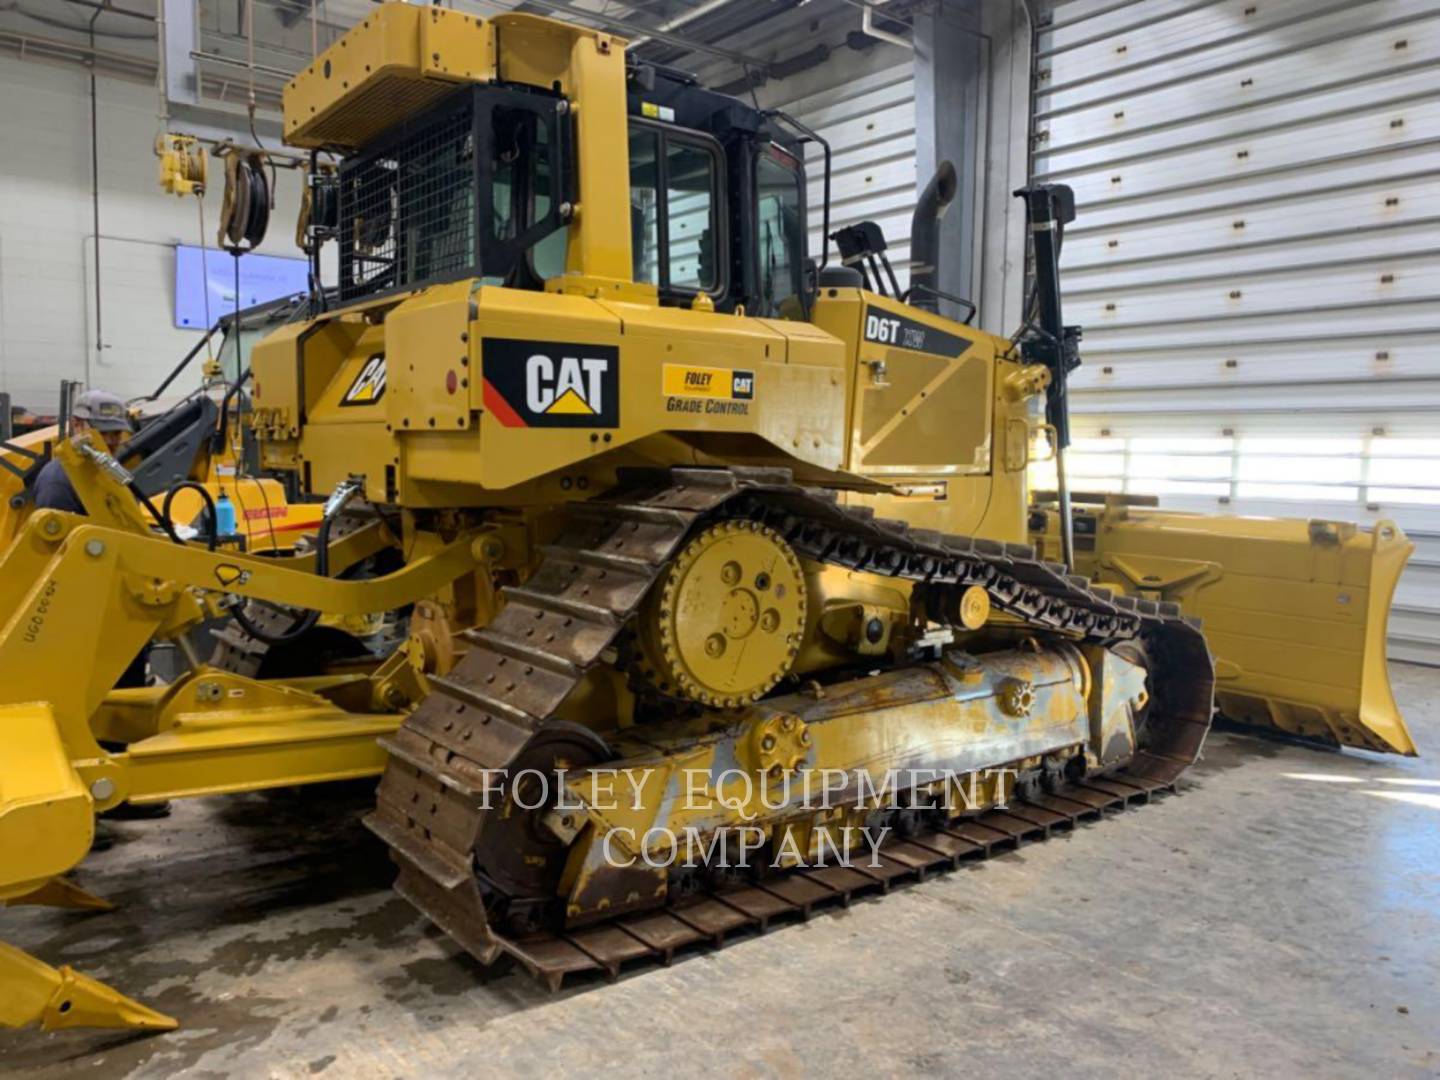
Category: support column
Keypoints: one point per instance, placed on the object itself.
(972, 107)
(950, 100)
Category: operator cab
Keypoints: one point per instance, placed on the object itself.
(482, 183)
(717, 197)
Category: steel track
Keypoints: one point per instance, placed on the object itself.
(564, 621)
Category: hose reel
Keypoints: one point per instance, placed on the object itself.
(184, 164)
(245, 213)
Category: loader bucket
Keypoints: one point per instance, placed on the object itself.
(1295, 612)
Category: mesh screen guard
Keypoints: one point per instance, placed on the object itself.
(464, 189)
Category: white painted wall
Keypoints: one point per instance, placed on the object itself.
(863, 104)
(46, 278)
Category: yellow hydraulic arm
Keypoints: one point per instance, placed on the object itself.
(79, 597)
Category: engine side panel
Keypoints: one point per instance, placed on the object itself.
(465, 391)
(932, 415)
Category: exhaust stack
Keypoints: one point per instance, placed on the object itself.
(925, 237)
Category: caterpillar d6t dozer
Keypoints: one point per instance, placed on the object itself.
(712, 562)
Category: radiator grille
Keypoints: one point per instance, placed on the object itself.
(369, 112)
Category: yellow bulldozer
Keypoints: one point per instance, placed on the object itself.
(698, 545)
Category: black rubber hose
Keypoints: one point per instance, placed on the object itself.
(322, 556)
(164, 521)
(258, 205)
(307, 621)
(213, 540)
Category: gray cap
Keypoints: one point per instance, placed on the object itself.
(102, 410)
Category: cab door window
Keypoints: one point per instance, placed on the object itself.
(780, 224)
(525, 187)
(645, 204)
(676, 196)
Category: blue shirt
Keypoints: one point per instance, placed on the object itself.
(53, 490)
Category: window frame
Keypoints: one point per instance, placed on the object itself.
(719, 203)
(553, 110)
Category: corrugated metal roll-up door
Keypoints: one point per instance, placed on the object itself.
(1256, 259)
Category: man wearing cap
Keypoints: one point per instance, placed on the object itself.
(95, 410)
(103, 412)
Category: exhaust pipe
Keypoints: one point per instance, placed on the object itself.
(925, 237)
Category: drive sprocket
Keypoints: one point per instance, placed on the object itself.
(728, 619)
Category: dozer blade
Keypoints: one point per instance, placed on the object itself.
(1294, 611)
(47, 823)
(62, 893)
(33, 992)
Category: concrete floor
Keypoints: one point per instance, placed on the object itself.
(1281, 917)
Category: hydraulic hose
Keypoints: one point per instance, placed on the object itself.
(112, 468)
(306, 622)
(164, 521)
(322, 555)
(302, 625)
(213, 539)
(162, 515)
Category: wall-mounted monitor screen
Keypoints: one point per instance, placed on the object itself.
(210, 275)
